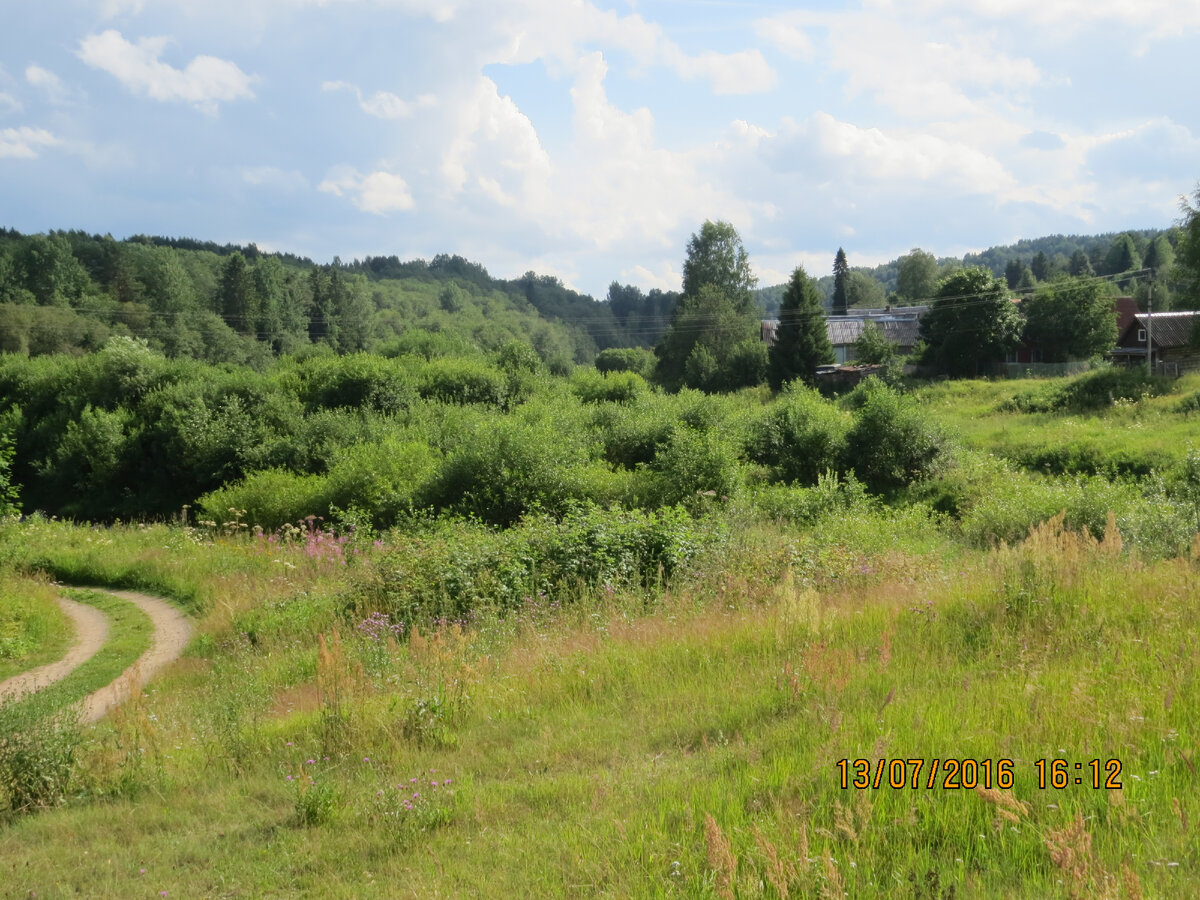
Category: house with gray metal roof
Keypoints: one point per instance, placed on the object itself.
(900, 326)
(1171, 338)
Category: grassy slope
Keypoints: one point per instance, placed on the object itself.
(1127, 438)
(588, 747)
(33, 630)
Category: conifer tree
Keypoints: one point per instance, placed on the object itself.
(802, 338)
(841, 278)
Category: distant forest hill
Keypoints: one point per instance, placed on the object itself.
(1023, 264)
(69, 291)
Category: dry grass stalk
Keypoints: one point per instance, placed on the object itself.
(720, 856)
(1008, 808)
(1071, 850)
(780, 873)
(843, 821)
(1180, 814)
(1133, 887)
(832, 889)
(827, 666)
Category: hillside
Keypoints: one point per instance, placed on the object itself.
(70, 292)
(879, 284)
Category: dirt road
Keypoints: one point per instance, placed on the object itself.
(171, 633)
(91, 630)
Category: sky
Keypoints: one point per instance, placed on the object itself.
(588, 139)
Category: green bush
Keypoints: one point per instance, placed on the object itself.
(382, 479)
(626, 359)
(509, 467)
(455, 569)
(694, 469)
(591, 386)
(890, 444)
(1097, 389)
(269, 499)
(464, 380)
(800, 437)
(634, 434)
(357, 381)
(830, 496)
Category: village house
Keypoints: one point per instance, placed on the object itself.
(1171, 338)
(900, 325)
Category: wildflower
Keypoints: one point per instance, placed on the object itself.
(366, 759)
(311, 762)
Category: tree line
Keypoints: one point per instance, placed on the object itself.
(71, 291)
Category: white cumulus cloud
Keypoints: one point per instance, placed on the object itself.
(378, 192)
(383, 104)
(204, 83)
(24, 142)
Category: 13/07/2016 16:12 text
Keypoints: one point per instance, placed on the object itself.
(968, 774)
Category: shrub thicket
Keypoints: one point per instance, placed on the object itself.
(801, 436)
(891, 444)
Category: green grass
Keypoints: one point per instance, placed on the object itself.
(1130, 438)
(588, 745)
(33, 629)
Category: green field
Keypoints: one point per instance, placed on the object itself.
(638, 685)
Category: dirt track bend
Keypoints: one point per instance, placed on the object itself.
(171, 633)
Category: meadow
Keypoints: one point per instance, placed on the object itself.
(609, 642)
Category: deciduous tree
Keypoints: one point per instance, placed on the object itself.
(1071, 318)
(917, 278)
(971, 323)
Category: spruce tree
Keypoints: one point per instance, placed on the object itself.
(841, 278)
(802, 338)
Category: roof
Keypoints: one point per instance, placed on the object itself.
(1167, 329)
(846, 330)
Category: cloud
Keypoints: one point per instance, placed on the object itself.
(829, 148)
(562, 32)
(788, 38)
(378, 192)
(46, 81)
(206, 80)
(9, 104)
(1157, 18)
(24, 142)
(498, 143)
(612, 187)
(382, 104)
(665, 279)
(744, 72)
(909, 65)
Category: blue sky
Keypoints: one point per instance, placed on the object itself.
(588, 140)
